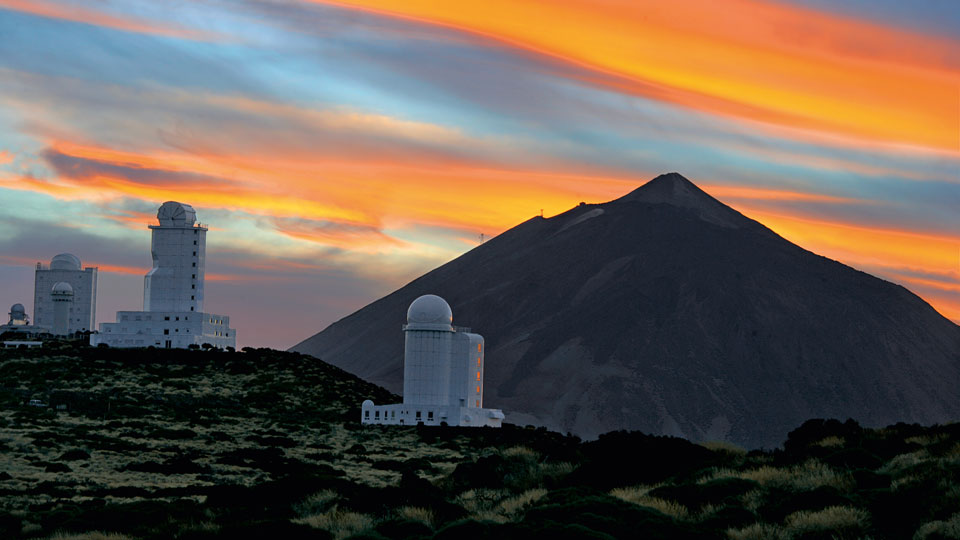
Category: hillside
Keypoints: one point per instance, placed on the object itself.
(201, 445)
(668, 312)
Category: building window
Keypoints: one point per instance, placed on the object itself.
(167, 318)
(193, 286)
(393, 414)
(194, 242)
(194, 253)
(191, 308)
(376, 414)
(478, 403)
(178, 318)
(193, 276)
(478, 347)
(430, 415)
(194, 265)
(366, 414)
(478, 375)
(478, 389)
(166, 331)
(418, 415)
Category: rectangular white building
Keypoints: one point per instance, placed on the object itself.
(81, 314)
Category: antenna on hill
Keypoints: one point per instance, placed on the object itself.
(541, 212)
(481, 238)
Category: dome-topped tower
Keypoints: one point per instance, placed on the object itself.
(176, 214)
(442, 373)
(18, 315)
(65, 261)
(429, 312)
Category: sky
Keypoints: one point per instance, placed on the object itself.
(338, 150)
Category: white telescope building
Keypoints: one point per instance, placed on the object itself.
(172, 315)
(442, 373)
(66, 290)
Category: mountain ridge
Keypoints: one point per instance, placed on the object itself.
(666, 311)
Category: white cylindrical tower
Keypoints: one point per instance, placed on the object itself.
(178, 247)
(62, 297)
(427, 352)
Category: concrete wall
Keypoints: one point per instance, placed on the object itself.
(175, 283)
(82, 313)
(166, 329)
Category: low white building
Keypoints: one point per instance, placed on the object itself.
(172, 315)
(442, 373)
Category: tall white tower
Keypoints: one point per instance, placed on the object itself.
(62, 297)
(178, 247)
(172, 315)
(428, 339)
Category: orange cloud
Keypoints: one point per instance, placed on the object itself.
(54, 10)
(5, 157)
(752, 59)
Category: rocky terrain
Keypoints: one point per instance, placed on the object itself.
(144, 444)
(668, 312)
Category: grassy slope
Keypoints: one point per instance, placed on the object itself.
(196, 444)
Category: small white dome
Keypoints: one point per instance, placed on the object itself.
(175, 214)
(65, 261)
(17, 311)
(62, 288)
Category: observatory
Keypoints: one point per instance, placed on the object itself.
(50, 285)
(172, 315)
(442, 373)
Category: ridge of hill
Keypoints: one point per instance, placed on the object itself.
(668, 312)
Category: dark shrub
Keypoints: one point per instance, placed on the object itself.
(74, 455)
(58, 468)
(622, 458)
(404, 528)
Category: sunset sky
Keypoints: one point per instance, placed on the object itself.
(338, 150)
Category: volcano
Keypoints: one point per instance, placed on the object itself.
(668, 312)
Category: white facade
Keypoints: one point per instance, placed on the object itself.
(166, 329)
(442, 373)
(82, 312)
(172, 315)
(178, 247)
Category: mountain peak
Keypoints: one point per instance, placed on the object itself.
(674, 189)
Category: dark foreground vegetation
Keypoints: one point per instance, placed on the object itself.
(260, 443)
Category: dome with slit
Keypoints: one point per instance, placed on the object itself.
(176, 214)
(17, 311)
(429, 312)
(65, 261)
(62, 288)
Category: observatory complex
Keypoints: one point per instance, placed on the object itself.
(172, 315)
(65, 296)
(442, 373)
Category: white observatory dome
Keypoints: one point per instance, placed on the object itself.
(62, 288)
(17, 311)
(175, 214)
(65, 261)
(429, 312)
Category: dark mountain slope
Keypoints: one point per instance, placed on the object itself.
(669, 312)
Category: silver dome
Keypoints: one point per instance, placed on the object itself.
(62, 288)
(65, 261)
(175, 214)
(429, 312)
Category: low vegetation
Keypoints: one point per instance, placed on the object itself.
(198, 444)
